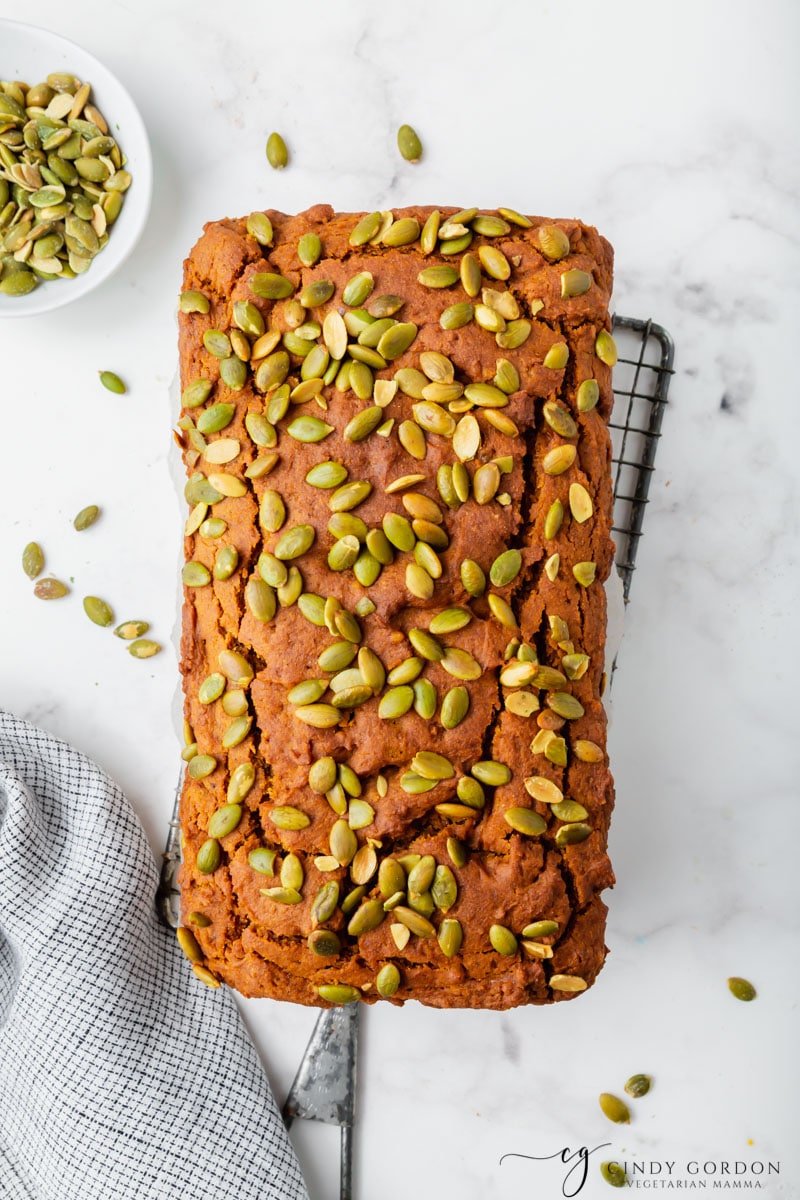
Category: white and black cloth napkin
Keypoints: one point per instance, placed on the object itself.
(121, 1076)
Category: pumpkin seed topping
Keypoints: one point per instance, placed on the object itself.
(408, 144)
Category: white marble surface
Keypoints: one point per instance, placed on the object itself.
(674, 131)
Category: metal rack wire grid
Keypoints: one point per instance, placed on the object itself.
(641, 383)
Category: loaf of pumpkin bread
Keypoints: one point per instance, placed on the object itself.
(395, 429)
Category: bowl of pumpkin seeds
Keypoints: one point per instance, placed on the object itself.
(75, 171)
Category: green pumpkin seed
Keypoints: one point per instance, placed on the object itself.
(430, 232)
(742, 989)
(270, 373)
(309, 429)
(260, 599)
(324, 942)
(396, 340)
(505, 568)
(224, 820)
(440, 276)
(366, 918)
(425, 699)
(426, 645)
(525, 821)
(419, 582)
(575, 283)
(606, 348)
(236, 732)
(540, 929)
(129, 630)
(395, 702)
(307, 691)
(470, 792)
(98, 611)
(33, 560)
(209, 857)
(503, 940)
(455, 245)
(199, 919)
(277, 153)
(338, 993)
(144, 648)
(638, 1086)
(262, 860)
(570, 835)
(490, 772)
(343, 843)
(450, 937)
(312, 607)
(294, 542)
(398, 531)
(327, 475)
(112, 382)
(320, 716)
(309, 249)
(195, 574)
(457, 316)
(415, 922)
(192, 301)
(343, 553)
(588, 395)
(402, 232)
(408, 144)
(357, 289)
(585, 573)
(449, 620)
(461, 664)
(286, 816)
(316, 293)
(615, 1109)
(366, 229)
(259, 227)
(473, 579)
(614, 1174)
(282, 895)
(430, 765)
(272, 511)
(325, 901)
(553, 242)
(226, 562)
(455, 707)
(196, 393)
(201, 766)
(270, 286)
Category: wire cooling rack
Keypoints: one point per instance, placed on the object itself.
(325, 1085)
(641, 383)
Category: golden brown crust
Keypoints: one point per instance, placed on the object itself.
(509, 879)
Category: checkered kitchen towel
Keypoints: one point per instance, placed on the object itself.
(121, 1076)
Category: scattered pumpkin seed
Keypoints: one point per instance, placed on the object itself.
(86, 517)
(612, 1107)
(408, 144)
(585, 573)
(32, 560)
(503, 940)
(98, 611)
(742, 989)
(277, 153)
(588, 395)
(112, 382)
(338, 993)
(606, 348)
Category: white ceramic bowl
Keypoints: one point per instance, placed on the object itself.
(31, 54)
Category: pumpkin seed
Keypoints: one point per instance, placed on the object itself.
(277, 153)
(575, 283)
(473, 579)
(224, 820)
(426, 645)
(588, 395)
(440, 276)
(195, 574)
(338, 993)
(559, 419)
(490, 772)
(395, 702)
(450, 937)
(286, 816)
(457, 315)
(395, 341)
(614, 1174)
(570, 835)
(543, 790)
(415, 922)
(282, 895)
(324, 942)
(742, 989)
(553, 242)
(406, 671)
(515, 334)
(33, 560)
(585, 573)
(112, 382)
(387, 980)
(343, 843)
(205, 976)
(525, 821)
(367, 917)
(430, 765)
(470, 792)
(196, 393)
(316, 293)
(408, 144)
(97, 610)
(129, 630)
(365, 229)
(189, 944)
(320, 716)
(209, 856)
(638, 1086)
(270, 286)
(485, 483)
(402, 232)
(455, 707)
(294, 542)
(144, 648)
(259, 227)
(612, 1107)
(503, 940)
(454, 245)
(606, 348)
(357, 289)
(559, 459)
(557, 357)
(193, 301)
(505, 568)
(419, 582)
